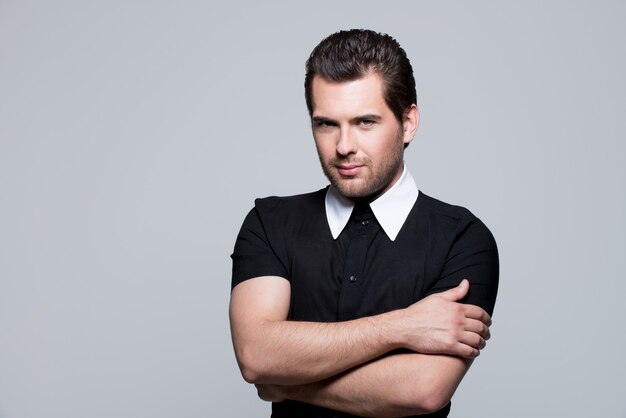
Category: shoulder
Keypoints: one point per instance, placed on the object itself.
(445, 210)
(284, 206)
(461, 246)
(285, 212)
(291, 203)
(452, 221)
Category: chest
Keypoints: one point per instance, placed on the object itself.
(355, 276)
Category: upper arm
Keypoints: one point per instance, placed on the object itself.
(253, 303)
(260, 298)
(473, 255)
(256, 300)
(255, 254)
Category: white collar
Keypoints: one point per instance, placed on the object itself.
(391, 208)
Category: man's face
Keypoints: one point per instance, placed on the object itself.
(359, 141)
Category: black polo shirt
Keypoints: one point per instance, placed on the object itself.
(363, 272)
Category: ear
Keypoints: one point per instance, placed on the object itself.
(410, 122)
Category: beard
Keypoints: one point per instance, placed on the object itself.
(376, 177)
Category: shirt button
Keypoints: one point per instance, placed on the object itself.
(353, 279)
(365, 223)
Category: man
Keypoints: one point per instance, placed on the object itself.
(366, 298)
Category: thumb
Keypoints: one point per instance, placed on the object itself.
(456, 293)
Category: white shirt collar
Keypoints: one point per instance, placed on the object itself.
(391, 208)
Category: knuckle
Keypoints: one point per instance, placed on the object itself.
(477, 341)
(449, 343)
(481, 343)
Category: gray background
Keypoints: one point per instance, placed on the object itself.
(134, 137)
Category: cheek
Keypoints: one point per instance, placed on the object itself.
(324, 149)
(376, 148)
(381, 152)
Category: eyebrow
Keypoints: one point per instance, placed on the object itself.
(356, 119)
(369, 116)
(322, 119)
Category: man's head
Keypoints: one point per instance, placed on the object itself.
(361, 112)
(349, 55)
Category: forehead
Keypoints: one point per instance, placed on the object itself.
(364, 95)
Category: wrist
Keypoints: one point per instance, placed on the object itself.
(391, 333)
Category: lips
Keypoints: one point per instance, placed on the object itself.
(349, 170)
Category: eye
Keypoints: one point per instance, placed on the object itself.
(324, 123)
(366, 122)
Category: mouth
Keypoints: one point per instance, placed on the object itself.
(349, 170)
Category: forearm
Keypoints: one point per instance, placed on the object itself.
(293, 352)
(271, 349)
(392, 386)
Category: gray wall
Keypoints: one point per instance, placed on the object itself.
(135, 135)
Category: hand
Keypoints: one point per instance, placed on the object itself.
(270, 393)
(439, 324)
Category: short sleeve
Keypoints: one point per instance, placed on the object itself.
(253, 255)
(473, 256)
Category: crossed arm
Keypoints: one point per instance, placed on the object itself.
(392, 386)
(349, 365)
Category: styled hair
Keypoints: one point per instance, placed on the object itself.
(352, 54)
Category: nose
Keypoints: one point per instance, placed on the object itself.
(347, 143)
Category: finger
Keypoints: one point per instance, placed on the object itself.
(465, 351)
(456, 293)
(477, 327)
(473, 340)
(476, 312)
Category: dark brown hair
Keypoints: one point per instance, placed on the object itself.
(349, 55)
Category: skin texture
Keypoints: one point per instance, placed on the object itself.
(271, 349)
(359, 141)
(360, 144)
(317, 363)
(413, 387)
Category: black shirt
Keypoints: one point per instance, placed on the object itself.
(363, 272)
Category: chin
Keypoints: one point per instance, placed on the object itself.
(352, 191)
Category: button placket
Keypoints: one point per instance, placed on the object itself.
(360, 237)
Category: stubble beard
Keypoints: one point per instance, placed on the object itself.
(377, 178)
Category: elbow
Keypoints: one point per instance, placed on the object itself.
(251, 365)
(427, 400)
(249, 374)
(434, 402)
